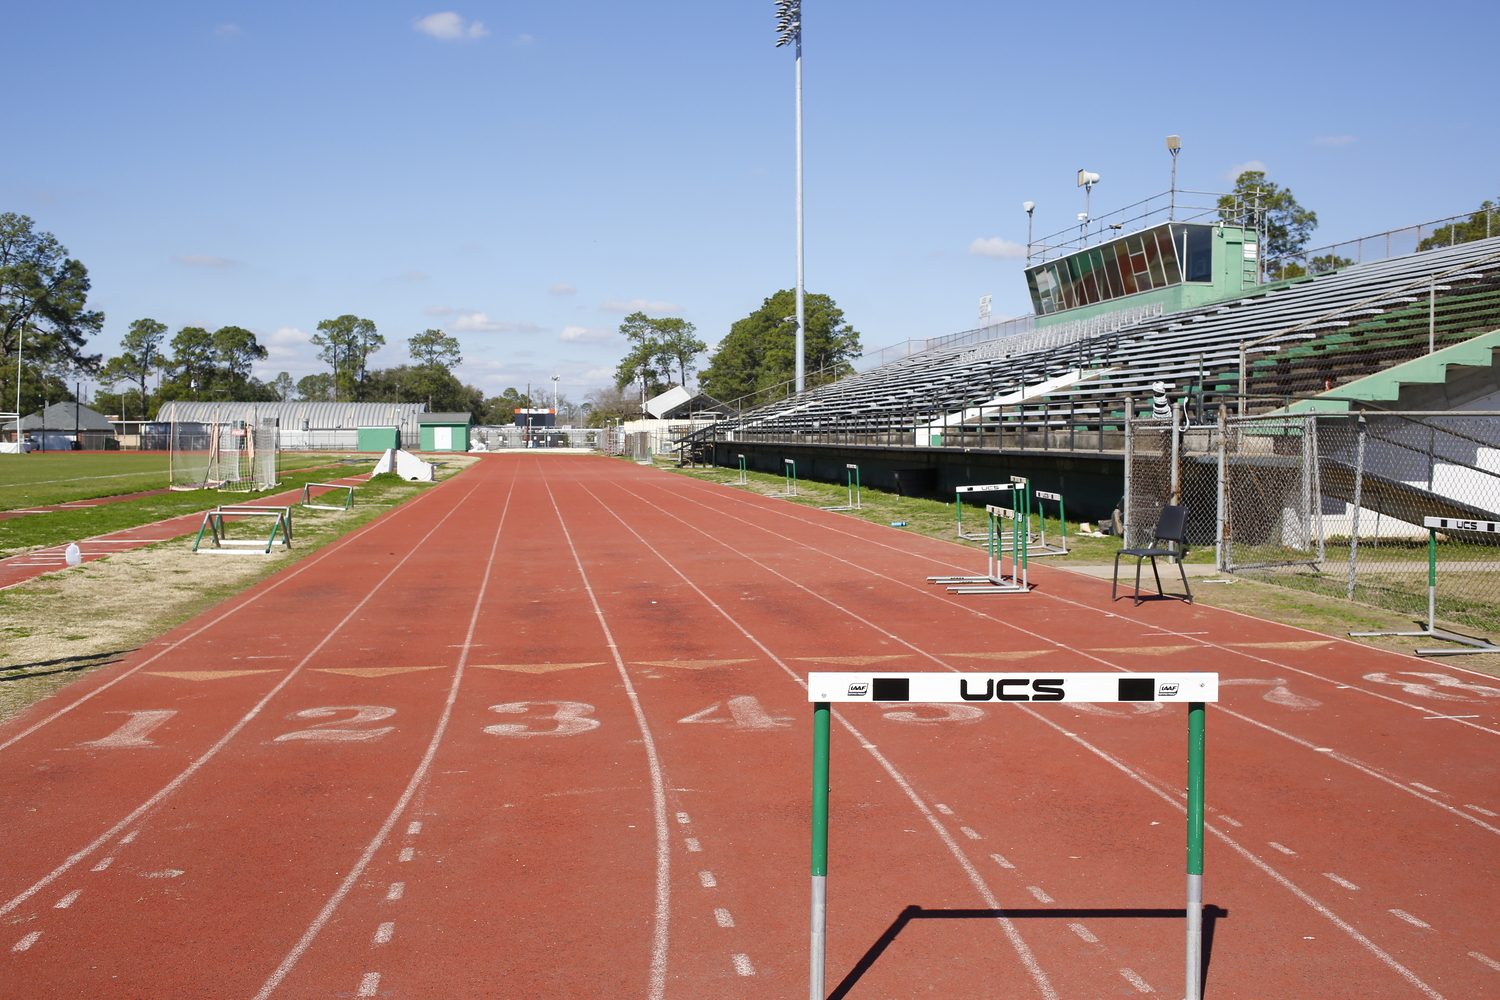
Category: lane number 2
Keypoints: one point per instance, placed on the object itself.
(336, 731)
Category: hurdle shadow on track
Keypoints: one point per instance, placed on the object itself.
(72, 663)
(1211, 914)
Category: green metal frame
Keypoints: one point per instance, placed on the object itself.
(307, 496)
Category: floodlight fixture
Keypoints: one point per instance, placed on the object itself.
(788, 22)
(1029, 206)
(789, 32)
(1087, 180)
(1174, 146)
(1174, 143)
(1083, 216)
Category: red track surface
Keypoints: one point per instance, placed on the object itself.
(540, 733)
(30, 565)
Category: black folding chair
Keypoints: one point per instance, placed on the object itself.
(1170, 527)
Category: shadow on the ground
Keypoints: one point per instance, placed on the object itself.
(1211, 914)
(64, 664)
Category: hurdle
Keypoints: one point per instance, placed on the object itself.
(1193, 689)
(218, 530)
(851, 476)
(307, 496)
(958, 502)
(1433, 526)
(789, 468)
(994, 580)
(744, 474)
(1041, 548)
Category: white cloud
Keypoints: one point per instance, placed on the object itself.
(228, 30)
(562, 289)
(478, 322)
(202, 260)
(598, 375)
(289, 335)
(1333, 140)
(996, 247)
(584, 335)
(1233, 173)
(287, 343)
(639, 305)
(521, 41)
(449, 27)
(438, 310)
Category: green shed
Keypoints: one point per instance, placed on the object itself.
(444, 431)
(378, 438)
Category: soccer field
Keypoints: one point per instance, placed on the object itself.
(60, 477)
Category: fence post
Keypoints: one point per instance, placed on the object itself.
(1129, 435)
(1221, 558)
(1307, 499)
(1359, 482)
(1175, 490)
(1318, 486)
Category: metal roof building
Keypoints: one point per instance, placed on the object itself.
(302, 416)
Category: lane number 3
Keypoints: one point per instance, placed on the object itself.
(570, 718)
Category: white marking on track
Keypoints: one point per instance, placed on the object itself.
(135, 732)
(1483, 959)
(129, 837)
(164, 873)
(742, 965)
(708, 880)
(1230, 820)
(942, 809)
(383, 932)
(1414, 921)
(413, 828)
(406, 853)
(396, 890)
(1002, 862)
(693, 845)
(1481, 809)
(1340, 881)
(369, 985)
(68, 900)
(1427, 788)
(102, 865)
(723, 917)
(26, 942)
(1083, 932)
(1134, 979)
(683, 818)
(1041, 897)
(970, 833)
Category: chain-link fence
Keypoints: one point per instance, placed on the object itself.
(1334, 503)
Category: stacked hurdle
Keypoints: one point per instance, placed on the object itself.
(996, 580)
(744, 474)
(218, 530)
(852, 476)
(958, 502)
(1041, 548)
(307, 496)
(790, 489)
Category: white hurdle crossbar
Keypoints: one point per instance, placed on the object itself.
(852, 476)
(307, 496)
(213, 523)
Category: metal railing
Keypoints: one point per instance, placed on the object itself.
(1143, 214)
(1391, 243)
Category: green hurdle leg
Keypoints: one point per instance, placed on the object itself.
(1195, 852)
(821, 716)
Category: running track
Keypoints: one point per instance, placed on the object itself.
(540, 733)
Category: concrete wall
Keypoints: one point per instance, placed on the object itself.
(1090, 484)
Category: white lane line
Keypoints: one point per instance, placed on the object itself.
(1351, 762)
(683, 818)
(693, 845)
(1008, 927)
(413, 828)
(383, 932)
(661, 924)
(234, 730)
(1340, 881)
(1230, 821)
(130, 837)
(942, 809)
(723, 917)
(708, 880)
(418, 777)
(406, 853)
(280, 580)
(1134, 979)
(396, 891)
(1480, 809)
(102, 865)
(1385, 957)
(68, 900)
(26, 942)
(1427, 788)
(1083, 932)
(1483, 959)
(1434, 718)
(369, 985)
(1002, 862)
(1041, 897)
(970, 833)
(1283, 850)
(1414, 921)
(742, 965)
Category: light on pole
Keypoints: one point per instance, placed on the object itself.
(1174, 145)
(554, 394)
(789, 32)
(1030, 207)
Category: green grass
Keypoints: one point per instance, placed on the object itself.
(39, 530)
(43, 478)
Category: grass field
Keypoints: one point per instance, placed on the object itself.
(63, 477)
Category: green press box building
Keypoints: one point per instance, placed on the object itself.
(443, 431)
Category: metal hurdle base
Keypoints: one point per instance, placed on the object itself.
(1480, 645)
(992, 585)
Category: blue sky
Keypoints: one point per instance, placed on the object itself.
(522, 175)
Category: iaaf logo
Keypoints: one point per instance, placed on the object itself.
(1167, 690)
(858, 689)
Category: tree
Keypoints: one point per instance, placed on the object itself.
(608, 404)
(234, 350)
(435, 349)
(1284, 225)
(283, 387)
(757, 360)
(44, 319)
(1484, 223)
(502, 409)
(141, 353)
(317, 388)
(192, 363)
(679, 345)
(346, 345)
(658, 345)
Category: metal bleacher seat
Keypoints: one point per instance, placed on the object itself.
(1171, 527)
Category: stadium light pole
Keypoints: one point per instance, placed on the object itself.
(789, 32)
(1174, 145)
(1030, 207)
